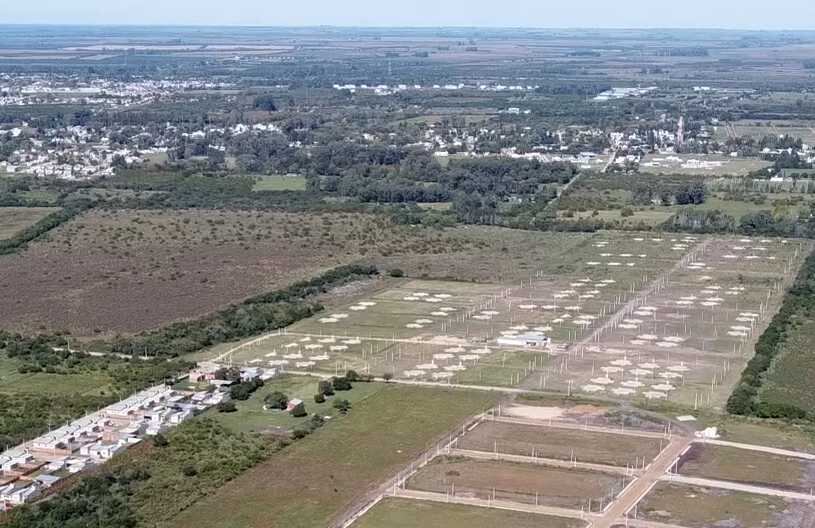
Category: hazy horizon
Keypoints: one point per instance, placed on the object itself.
(531, 14)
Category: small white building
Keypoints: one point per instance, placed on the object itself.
(525, 341)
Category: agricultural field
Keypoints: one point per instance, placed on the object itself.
(401, 513)
(312, 482)
(695, 507)
(15, 219)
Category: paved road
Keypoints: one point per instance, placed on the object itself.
(549, 462)
(641, 486)
(762, 449)
(734, 486)
(498, 504)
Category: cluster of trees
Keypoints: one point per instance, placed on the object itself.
(798, 303)
(243, 390)
(417, 177)
(692, 193)
(756, 223)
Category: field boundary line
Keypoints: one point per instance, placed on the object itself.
(551, 511)
(735, 486)
(542, 461)
(753, 447)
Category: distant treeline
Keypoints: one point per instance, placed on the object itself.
(422, 179)
(798, 303)
(759, 223)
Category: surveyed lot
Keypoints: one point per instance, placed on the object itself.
(631, 316)
(561, 444)
(399, 513)
(748, 467)
(313, 481)
(695, 507)
(517, 482)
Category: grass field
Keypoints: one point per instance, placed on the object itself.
(276, 182)
(615, 450)
(789, 380)
(401, 513)
(704, 508)
(748, 467)
(782, 436)
(251, 417)
(11, 381)
(15, 219)
(524, 483)
(313, 481)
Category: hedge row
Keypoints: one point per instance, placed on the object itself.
(745, 400)
(31, 233)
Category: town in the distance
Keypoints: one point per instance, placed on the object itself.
(394, 277)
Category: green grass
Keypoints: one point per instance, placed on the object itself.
(251, 417)
(11, 381)
(280, 183)
(316, 479)
(789, 380)
(403, 513)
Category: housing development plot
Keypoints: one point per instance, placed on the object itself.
(560, 444)
(636, 317)
(525, 483)
(697, 507)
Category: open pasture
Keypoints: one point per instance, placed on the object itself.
(561, 444)
(523, 483)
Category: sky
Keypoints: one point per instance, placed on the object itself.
(731, 14)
